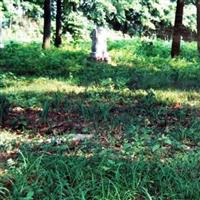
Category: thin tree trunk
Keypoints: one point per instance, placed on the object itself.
(47, 24)
(1, 32)
(198, 24)
(176, 43)
(58, 40)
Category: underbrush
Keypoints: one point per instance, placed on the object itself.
(105, 175)
(75, 129)
(135, 64)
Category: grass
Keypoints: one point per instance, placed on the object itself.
(142, 110)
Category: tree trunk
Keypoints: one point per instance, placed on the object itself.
(58, 40)
(198, 24)
(47, 24)
(1, 32)
(176, 43)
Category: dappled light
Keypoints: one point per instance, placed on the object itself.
(97, 111)
(106, 106)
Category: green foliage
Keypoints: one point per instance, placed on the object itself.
(15, 8)
(142, 110)
(47, 63)
(98, 10)
(45, 112)
(137, 17)
(147, 60)
(77, 25)
(104, 176)
(144, 17)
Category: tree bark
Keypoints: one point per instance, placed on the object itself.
(198, 24)
(58, 39)
(47, 25)
(176, 43)
(1, 32)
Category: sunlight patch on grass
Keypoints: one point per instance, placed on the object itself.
(169, 96)
(7, 137)
(43, 85)
(191, 97)
(7, 144)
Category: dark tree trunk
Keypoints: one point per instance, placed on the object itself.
(198, 24)
(1, 32)
(58, 40)
(47, 24)
(176, 43)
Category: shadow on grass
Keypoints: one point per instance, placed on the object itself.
(158, 143)
(32, 60)
(105, 112)
(151, 148)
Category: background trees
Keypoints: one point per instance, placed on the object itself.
(198, 24)
(58, 39)
(47, 24)
(177, 28)
(133, 17)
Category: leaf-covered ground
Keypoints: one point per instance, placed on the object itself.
(75, 129)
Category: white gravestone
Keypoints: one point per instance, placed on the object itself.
(99, 45)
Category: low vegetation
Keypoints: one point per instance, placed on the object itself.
(139, 115)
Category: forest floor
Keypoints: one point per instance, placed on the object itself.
(74, 129)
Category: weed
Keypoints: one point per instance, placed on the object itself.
(44, 113)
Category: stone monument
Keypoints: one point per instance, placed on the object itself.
(99, 45)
